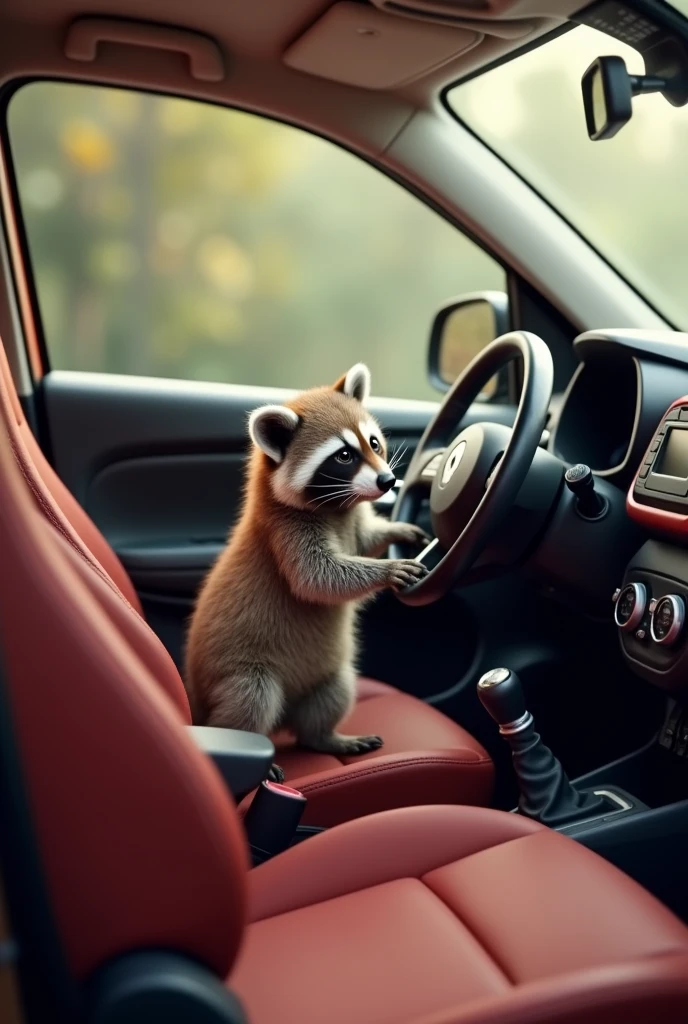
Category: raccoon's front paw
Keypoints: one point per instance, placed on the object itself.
(409, 533)
(276, 774)
(340, 745)
(352, 745)
(404, 572)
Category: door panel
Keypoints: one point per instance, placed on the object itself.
(96, 420)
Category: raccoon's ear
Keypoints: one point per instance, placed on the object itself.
(355, 383)
(271, 428)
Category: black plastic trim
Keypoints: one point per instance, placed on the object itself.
(242, 758)
(160, 987)
(651, 846)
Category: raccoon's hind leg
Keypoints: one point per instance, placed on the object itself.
(316, 716)
(252, 701)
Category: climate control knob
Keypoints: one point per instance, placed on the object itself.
(630, 606)
(668, 618)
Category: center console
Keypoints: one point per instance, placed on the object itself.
(651, 604)
(634, 811)
(649, 838)
(650, 614)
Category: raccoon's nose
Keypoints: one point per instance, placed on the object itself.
(386, 480)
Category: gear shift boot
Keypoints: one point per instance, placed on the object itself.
(546, 795)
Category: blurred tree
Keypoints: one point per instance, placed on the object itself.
(180, 239)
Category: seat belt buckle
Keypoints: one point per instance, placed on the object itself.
(272, 819)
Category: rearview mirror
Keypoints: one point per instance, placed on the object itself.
(607, 97)
(461, 330)
(608, 92)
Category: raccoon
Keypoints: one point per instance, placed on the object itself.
(272, 640)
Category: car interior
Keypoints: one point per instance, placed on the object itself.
(208, 209)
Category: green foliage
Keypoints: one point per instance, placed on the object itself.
(178, 239)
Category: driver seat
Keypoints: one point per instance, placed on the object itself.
(426, 758)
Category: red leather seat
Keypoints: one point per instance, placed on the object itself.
(427, 915)
(441, 914)
(426, 758)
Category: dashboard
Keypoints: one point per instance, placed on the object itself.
(625, 414)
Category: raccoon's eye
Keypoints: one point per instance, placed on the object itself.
(344, 456)
(375, 444)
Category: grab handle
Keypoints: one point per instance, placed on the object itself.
(85, 35)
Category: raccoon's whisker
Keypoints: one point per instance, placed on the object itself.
(330, 497)
(335, 494)
(316, 507)
(398, 452)
(397, 457)
(327, 475)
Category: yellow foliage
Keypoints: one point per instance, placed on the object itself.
(228, 267)
(87, 146)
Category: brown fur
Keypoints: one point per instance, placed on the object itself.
(272, 641)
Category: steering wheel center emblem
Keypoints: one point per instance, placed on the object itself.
(452, 464)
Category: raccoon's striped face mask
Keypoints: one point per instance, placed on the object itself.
(324, 450)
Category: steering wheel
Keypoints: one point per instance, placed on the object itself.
(474, 479)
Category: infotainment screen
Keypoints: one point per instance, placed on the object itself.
(673, 455)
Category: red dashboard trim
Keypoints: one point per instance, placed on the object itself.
(657, 518)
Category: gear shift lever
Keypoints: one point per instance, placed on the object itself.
(545, 791)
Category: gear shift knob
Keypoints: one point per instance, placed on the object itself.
(501, 694)
(546, 793)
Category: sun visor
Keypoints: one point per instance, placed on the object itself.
(362, 46)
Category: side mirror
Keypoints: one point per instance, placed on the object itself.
(461, 330)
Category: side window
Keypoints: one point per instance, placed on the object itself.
(177, 239)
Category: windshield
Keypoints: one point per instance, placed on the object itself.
(627, 195)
